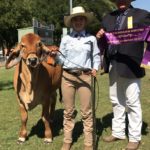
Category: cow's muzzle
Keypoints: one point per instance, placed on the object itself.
(32, 61)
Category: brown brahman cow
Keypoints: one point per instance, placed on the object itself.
(36, 79)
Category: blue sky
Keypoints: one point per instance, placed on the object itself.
(143, 4)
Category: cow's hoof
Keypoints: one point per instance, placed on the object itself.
(21, 140)
(47, 140)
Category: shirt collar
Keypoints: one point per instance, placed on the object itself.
(126, 11)
(82, 33)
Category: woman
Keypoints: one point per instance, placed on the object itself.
(78, 49)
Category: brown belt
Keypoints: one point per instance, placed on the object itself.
(78, 72)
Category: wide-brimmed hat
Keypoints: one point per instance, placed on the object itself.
(78, 11)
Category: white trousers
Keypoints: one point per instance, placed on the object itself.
(125, 97)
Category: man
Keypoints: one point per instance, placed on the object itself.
(125, 72)
(80, 60)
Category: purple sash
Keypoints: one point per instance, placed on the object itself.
(132, 35)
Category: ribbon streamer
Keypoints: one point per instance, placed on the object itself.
(132, 35)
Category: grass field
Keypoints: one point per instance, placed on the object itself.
(10, 119)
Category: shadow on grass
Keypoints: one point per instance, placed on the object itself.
(56, 126)
(38, 130)
(6, 85)
(106, 122)
(77, 131)
(101, 125)
(144, 128)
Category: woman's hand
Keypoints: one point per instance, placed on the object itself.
(93, 72)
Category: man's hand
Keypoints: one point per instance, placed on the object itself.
(100, 33)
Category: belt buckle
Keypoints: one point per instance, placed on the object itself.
(77, 72)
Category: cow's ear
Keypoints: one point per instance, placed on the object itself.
(44, 47)
(53, 48)
(14, 58)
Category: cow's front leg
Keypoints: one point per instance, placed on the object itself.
(52, 106)
(45, 118)
(23, 130)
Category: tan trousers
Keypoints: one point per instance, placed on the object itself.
(81, 84)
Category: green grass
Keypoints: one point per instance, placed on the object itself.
(10, 119)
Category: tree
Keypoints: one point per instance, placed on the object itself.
(18, 14)
(14, 14)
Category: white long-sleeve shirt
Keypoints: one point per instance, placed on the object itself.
(77, 51)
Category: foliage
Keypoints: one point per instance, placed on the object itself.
(14, 14)
(19, 13)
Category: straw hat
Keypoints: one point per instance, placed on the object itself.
(78, 11)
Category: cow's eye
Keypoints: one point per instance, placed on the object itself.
(39, 44)
(23, 46)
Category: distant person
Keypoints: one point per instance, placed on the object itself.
(125, 72)
(77, 71)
